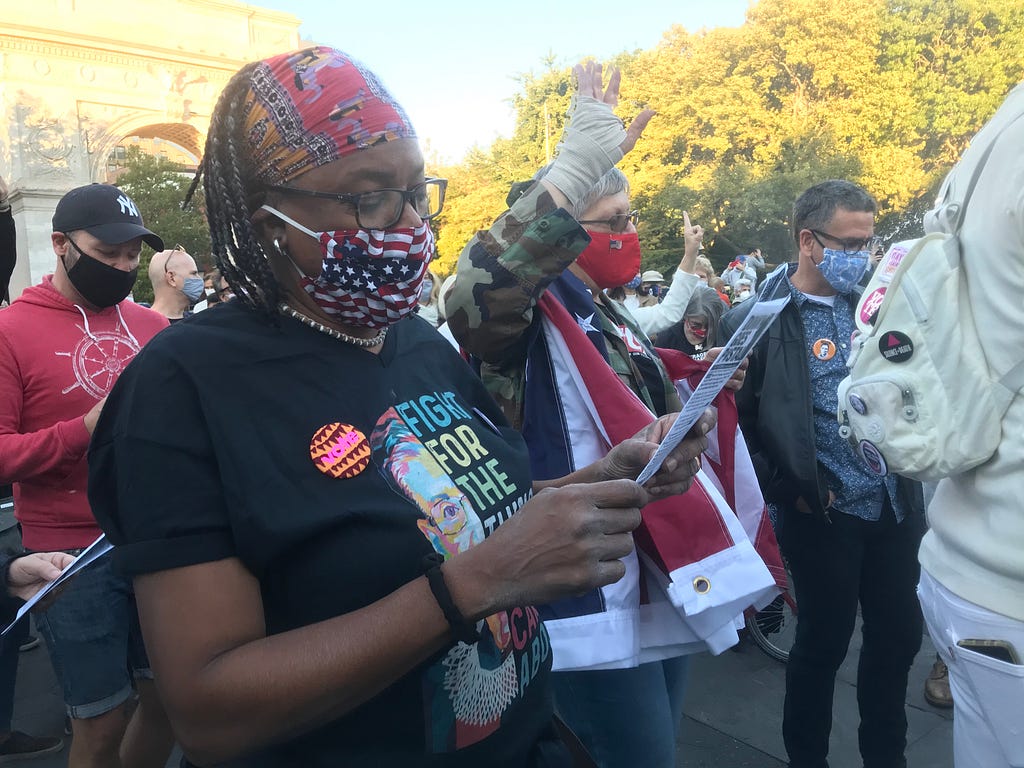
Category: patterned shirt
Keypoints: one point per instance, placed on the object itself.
(827, 331)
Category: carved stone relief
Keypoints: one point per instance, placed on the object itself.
(44, 144)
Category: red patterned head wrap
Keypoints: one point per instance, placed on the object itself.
(309, 108)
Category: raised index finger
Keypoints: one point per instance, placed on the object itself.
(686, 220)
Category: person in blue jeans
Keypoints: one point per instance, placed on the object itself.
(63, 343)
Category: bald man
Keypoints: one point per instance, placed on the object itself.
(177, 285)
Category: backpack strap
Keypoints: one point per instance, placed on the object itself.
(976, 174)
(1013, 379)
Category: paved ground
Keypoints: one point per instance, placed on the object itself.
(733, 713)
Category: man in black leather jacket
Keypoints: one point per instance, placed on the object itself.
(849, 536)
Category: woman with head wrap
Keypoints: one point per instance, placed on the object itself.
(332, 530)
(697, 333)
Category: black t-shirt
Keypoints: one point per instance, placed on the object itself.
(330, 472)
(675, 338)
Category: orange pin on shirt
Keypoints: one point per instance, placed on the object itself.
(339, 450)
(824, 349)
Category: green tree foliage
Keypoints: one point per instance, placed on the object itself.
(158, 187)
(886, 93)
(476, 197)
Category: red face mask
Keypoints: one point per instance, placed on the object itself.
(697, 331)
(611, 259)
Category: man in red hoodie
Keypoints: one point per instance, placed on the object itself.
(63, 344)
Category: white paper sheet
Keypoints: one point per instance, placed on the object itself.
(89, 555)
(757, 321)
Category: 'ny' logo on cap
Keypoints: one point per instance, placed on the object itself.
(127, 206)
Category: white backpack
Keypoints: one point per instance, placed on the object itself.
(920, 399)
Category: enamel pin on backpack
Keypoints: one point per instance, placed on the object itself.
(920, 399)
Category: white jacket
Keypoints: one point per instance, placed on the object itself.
(669, 312)
(975, 547)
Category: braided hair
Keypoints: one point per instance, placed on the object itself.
(233, 193)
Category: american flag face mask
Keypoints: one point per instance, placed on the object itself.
(369, 278)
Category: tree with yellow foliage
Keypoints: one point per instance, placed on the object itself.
(886, 93)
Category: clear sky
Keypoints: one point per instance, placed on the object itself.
(452, 64)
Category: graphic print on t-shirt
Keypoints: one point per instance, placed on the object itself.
(431, 450)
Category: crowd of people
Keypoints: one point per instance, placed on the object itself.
(342, 537)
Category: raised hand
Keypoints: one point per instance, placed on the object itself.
(693, 236)
(589, 83)
(595, 138)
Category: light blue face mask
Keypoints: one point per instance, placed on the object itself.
(843, 270)
(193, 288)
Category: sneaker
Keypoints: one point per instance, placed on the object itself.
(32, 641)
(936, 687)
(21, 746)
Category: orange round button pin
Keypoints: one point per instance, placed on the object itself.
(824, 349)
(339, 450)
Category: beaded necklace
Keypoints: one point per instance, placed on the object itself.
(373, 341)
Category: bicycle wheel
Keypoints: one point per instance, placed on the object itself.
(773, 629)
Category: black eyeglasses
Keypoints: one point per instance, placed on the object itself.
(616, 223)
(848, 246)
(382, 208)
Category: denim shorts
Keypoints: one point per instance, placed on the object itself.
(95, 643)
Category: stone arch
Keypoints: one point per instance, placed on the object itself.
(101, 143)
(75, 82)
(187, 137)
(184, 135)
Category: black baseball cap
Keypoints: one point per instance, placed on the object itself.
(106, 213)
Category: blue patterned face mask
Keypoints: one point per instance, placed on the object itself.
(843, 270)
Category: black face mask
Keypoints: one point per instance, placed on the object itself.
(100, 284)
